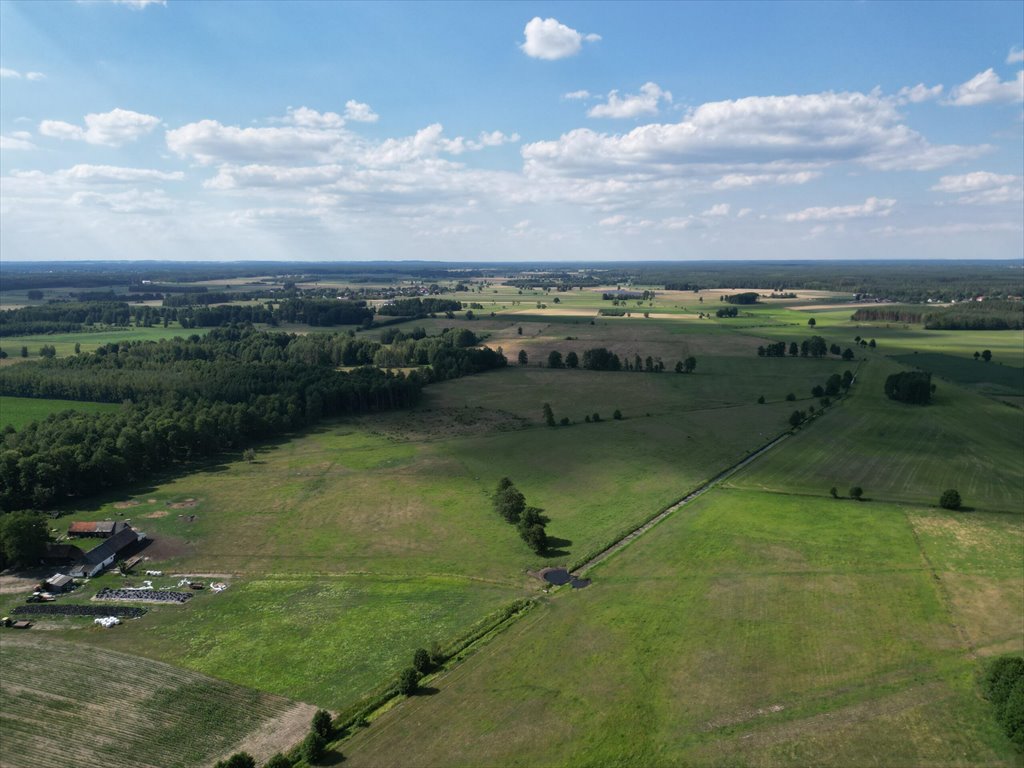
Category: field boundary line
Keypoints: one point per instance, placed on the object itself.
(700, 491)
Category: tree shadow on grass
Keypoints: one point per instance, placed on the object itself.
(331, 757)
(557, 547)
(426, 690)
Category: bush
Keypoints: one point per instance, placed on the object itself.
(278, 761)
(950, 499)
(1003, 683)
(238, 760)
(909, 387)
(760, 400)
(856, 493)
(790, 397)
(617, 415)
(312, 749)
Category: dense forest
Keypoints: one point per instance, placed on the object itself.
(188, 398)
(989, 315)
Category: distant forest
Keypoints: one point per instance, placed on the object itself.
(989, 315)
(908, 281)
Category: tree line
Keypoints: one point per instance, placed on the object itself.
(188, 398)
(815, 346)
(530, 522)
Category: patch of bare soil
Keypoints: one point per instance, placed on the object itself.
(23, 581)
(437, 423)
(158, 513)
(278, 734)
(126, 504)
(166, 548)
(151, 501)
(186, 504)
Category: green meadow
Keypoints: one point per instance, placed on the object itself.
(88, 341)
(766, 623)
(19, 411)
(747, 629)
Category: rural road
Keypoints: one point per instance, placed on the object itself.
(629, 537)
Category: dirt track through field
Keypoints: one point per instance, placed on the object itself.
(632, 536)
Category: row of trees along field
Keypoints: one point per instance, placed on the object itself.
(989, 315)
(816, 346)
(190, 310)
(187, 398)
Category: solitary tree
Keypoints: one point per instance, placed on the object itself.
(794, 350)
(555, 359)
(523, 358)
(817, 390)
(421, 661)
(549, 416)
(679, 367)
(322, 723)
(249, 455)
(986, 355)
(950, 499)
(519, 330)
(811, 322)
(24, 351)
(572, 360)
(617, 415)
(790, 397)
(834, 491)
(689, 365)
(408, 682)
(760, 400)
(796, 418)
(536, 537)
(856, 493)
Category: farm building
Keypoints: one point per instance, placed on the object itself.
(62, 554)
(102, 529)
(58, 583)
(103, 555)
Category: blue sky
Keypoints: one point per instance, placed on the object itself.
(511, 131)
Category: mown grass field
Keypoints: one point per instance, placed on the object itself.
(899, 452)
(750, 629)
(64, 704)
(19, 411)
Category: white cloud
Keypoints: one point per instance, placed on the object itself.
(13, 74)
(582, 95)
(138, 5)
(1015, 56)
(720, 209)
(111, 129)
(762, 133)
(918, 93)
(958, 228)
(310, 118)
(208, 141)
(359, 112)
(114, 173)
(873, 206)
(744, 212)
(16, 142)
(129, 201)
(550, 39)
(986, 88)
(612, 221)
(632, 105)
(983, 188)
(741, 180)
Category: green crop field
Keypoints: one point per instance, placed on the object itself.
(89, 341)
(114, 709)
(748, 629)
(19, 411)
